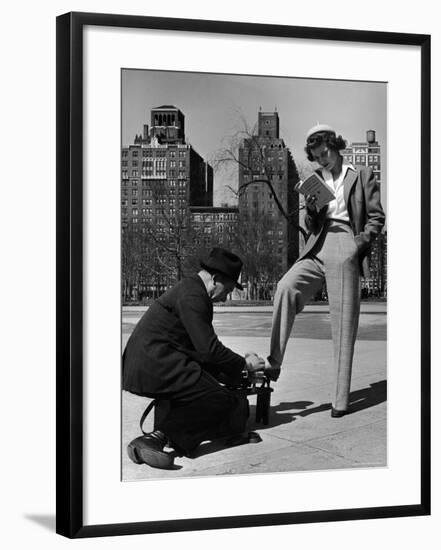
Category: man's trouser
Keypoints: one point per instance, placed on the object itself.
(335, 259)
(205, 411)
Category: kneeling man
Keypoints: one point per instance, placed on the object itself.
(174, 354)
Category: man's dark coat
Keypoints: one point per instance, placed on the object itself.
(173, 341)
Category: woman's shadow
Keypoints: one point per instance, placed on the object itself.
(359, 400)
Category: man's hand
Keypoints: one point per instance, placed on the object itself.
(257, 376)
(254, 363)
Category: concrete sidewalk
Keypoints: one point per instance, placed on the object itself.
(301, 434)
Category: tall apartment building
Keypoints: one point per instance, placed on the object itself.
(162, 176)
(265, 157)
(161, 173)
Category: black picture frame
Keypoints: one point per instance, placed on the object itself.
(69, 294)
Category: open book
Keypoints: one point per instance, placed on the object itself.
(315, 185)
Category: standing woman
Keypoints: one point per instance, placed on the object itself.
(341, 234)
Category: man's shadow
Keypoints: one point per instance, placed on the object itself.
(359, 400)
(365, 398)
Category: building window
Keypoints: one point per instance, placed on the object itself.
(134, 173)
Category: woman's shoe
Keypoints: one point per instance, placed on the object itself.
(335, 413)
(271, 372)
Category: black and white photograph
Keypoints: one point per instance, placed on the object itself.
(243, 309)
(254, 274)
(220, 275)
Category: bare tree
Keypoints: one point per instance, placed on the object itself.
(245, 150)
(130, 258)
(140, 265)
(254, 244)
(172, 235)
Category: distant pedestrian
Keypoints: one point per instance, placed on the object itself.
(341, 234)
(174, 354)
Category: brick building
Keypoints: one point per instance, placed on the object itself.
(161, 173)
(162, 176)
(376, 284)
(215, 225)
(365, 153)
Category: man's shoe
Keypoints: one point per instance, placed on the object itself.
(148, 449)
(335, 413)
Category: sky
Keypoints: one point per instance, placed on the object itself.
(214, 104)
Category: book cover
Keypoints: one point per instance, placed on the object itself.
(315, 185)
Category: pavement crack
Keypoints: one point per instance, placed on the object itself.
(334, 454)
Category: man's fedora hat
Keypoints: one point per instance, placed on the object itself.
(319, 128)
(225, 262)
